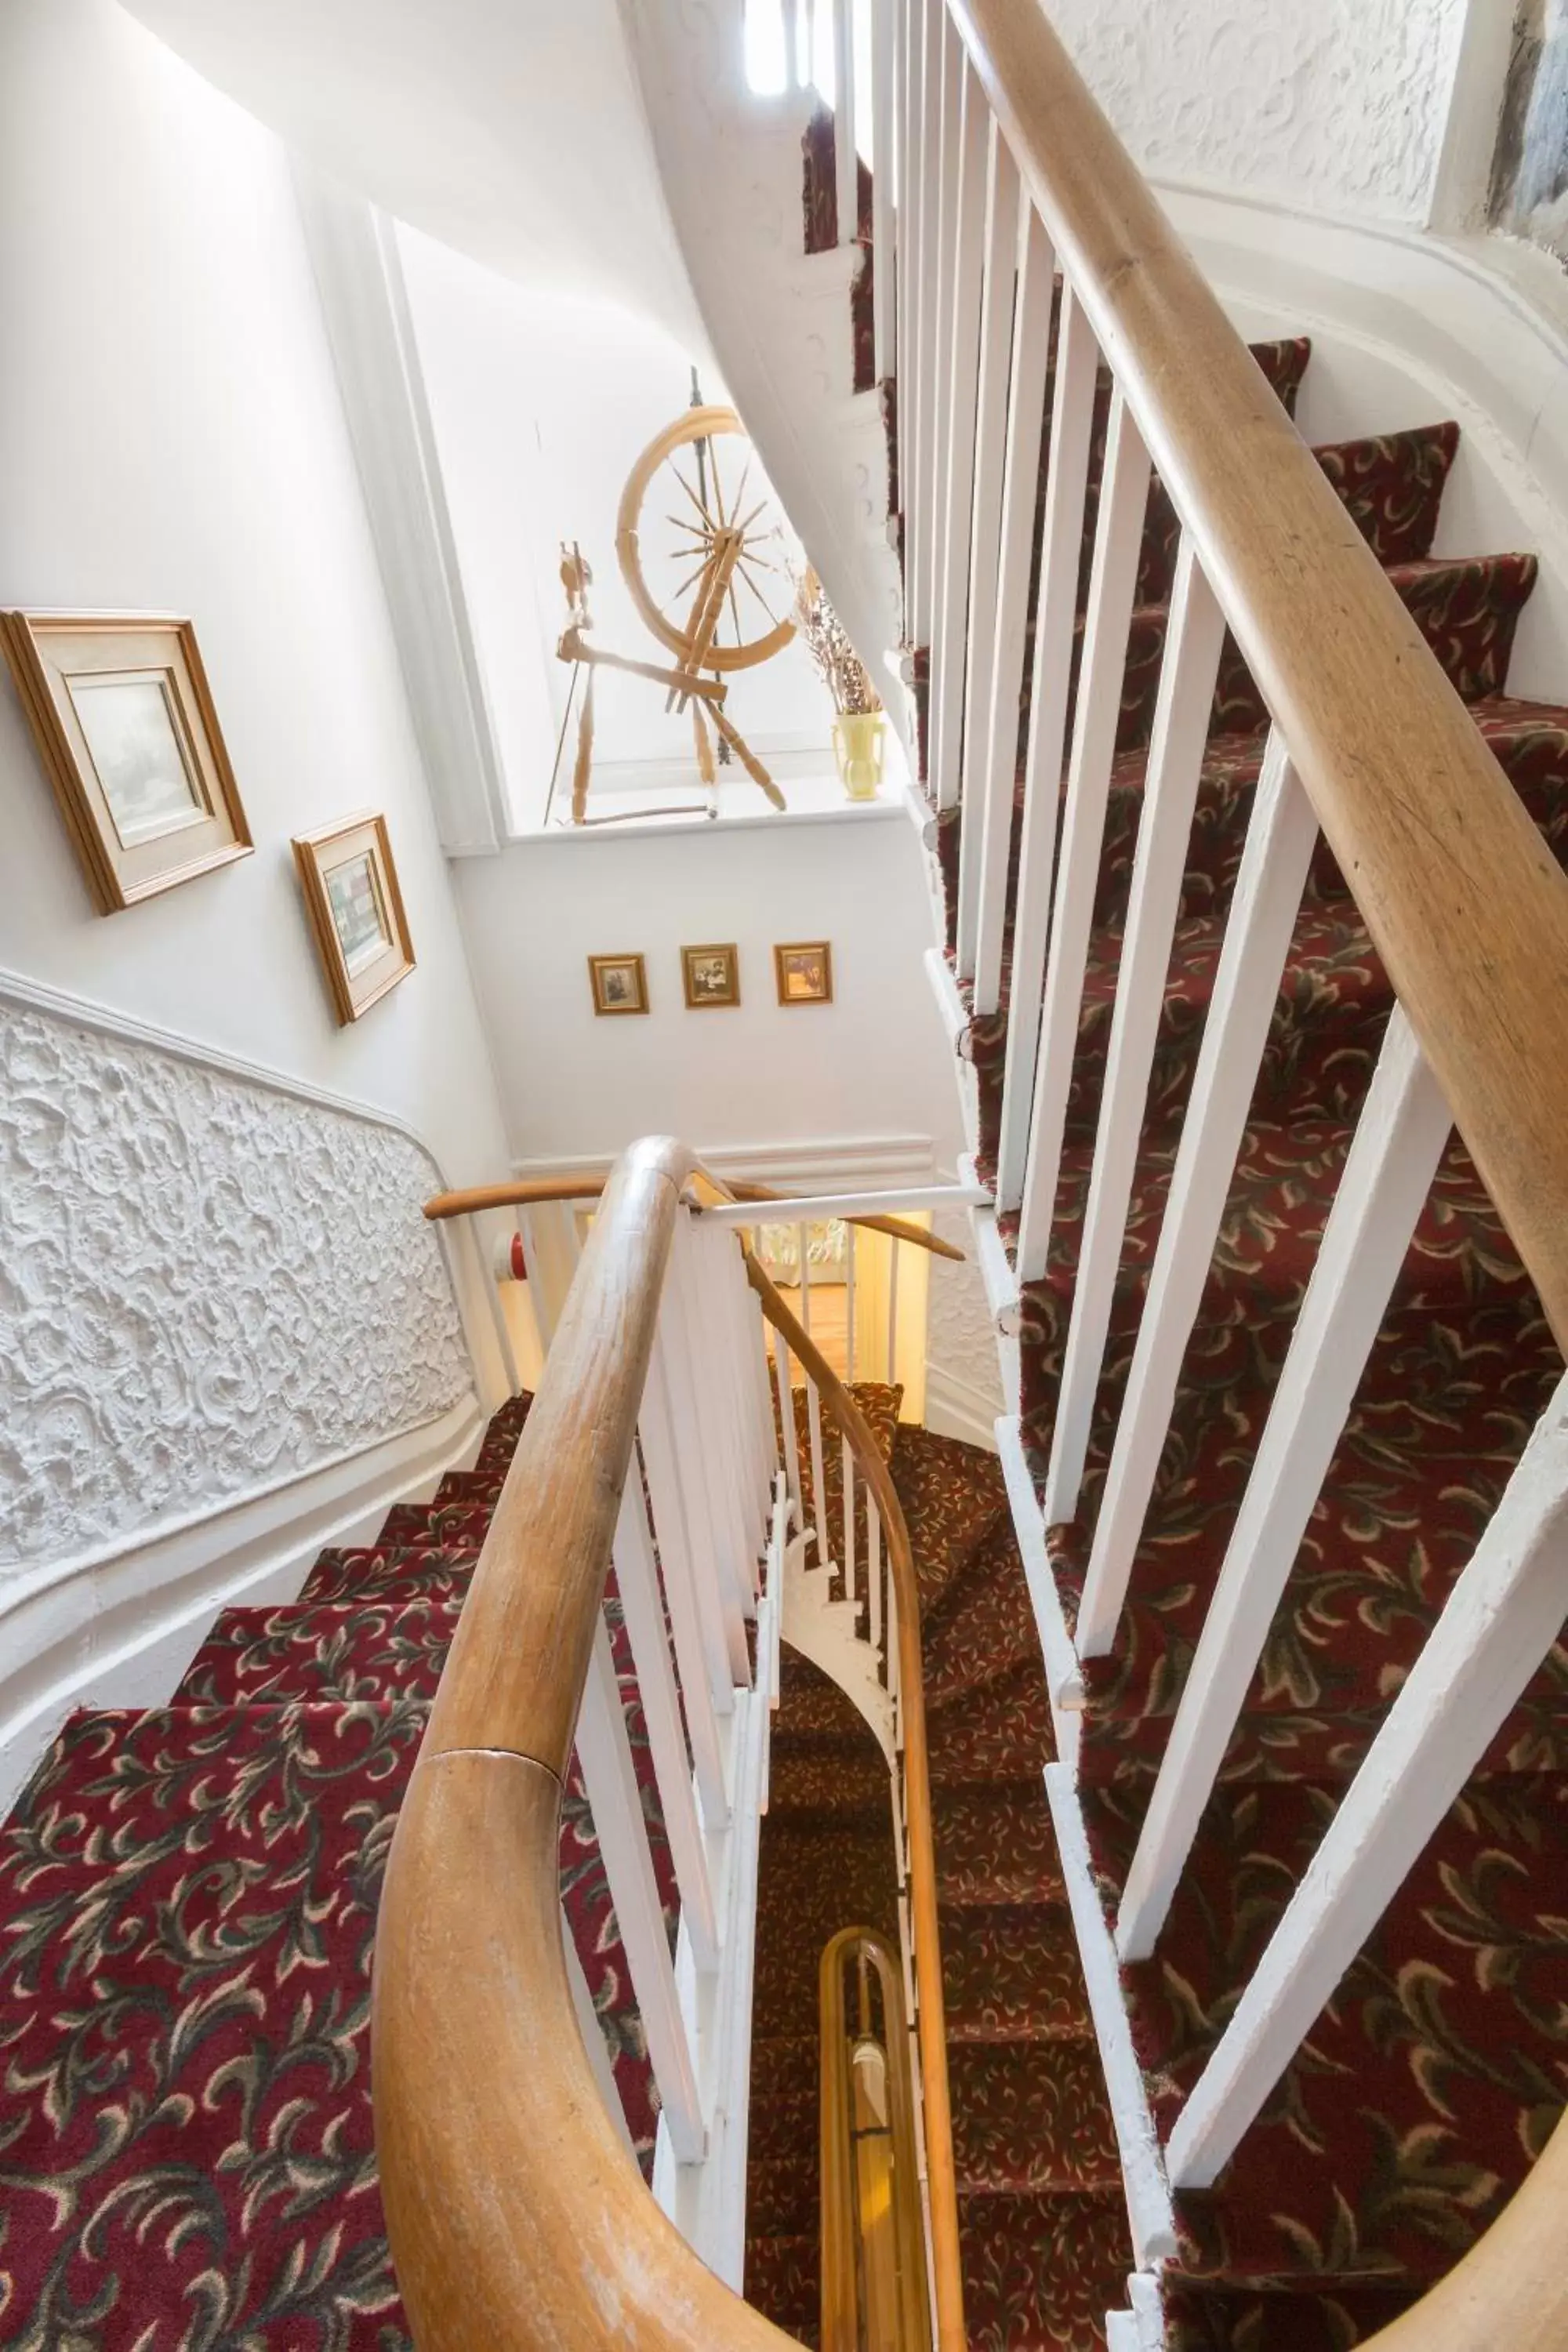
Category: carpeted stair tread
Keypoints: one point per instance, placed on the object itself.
(1030, 2117)
(782, 2281)
(385, 1571)
(781, 2196)
(949, 1504)
(994, 1843)
(189, 1900)
(375, 1649)
(814, 1709)
(1007, 1740)
(1243, 2319)
(834, 1873)
(1430, 2080)
(827, 1780)
(1040, 2274)
(1011, 1973)
(455, 1525)
(984, 1630)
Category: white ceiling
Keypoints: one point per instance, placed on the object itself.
(510, 129)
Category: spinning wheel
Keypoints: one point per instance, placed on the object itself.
(719, 575)
(700, 543)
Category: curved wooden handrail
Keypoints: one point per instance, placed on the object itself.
(537, 1192)
(940, 2172)
(1511, 2287)
(1463, 900)
(841, 2329)
(517, 2217)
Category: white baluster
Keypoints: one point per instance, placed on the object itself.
(795, 44)
(918, 196)
(787, 1421)
(1061, 546)
(886, 18)
(716, 1397)
(1280, 839)
(1113, 583)
(1195, 635)
(603, 1752)
(1387, 1176)
(1500, 1619)
(937, 359)
(848, 1471)
(803, 1242)
(848, 1302)
(846, 178)
(701, 1653)
(637, 1578)
(874, 1567)
(1025, 429)
(983, 782)
(893, 1248)
(950, 642)
(709, 1538)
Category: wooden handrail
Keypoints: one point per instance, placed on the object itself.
(841, 2315)
(517, 2217)
(1463, 900)
(869, 1464)
(537, 1192)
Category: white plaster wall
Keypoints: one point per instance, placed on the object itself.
(874, 1063)
(541, 406)
(171, 437)
(1341, 107)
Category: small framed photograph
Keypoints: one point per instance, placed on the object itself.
(712, 975)
(620, 984)
(804, 972)
(120, 711)
(356, 910)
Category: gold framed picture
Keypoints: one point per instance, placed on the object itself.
(123, 718)
(620, 984)
(356, 910)
(712, 976)
(804, 970)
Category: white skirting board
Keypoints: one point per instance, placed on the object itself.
(1149, 2209)
(121, 1630)
(956, 1407)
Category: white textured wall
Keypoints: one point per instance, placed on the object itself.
(1339, 107)
(171, 438)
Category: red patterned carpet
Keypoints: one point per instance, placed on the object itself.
(187, 1906)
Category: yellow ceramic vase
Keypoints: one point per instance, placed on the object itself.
(857, 748)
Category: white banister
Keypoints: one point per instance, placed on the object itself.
(710, 1536)
(701, 1653)
(952, 595)
(1499, 1622)
(1072, 424)
(887, 34)
(937, 358)
(893, 1311)
(786, 1422)
(1026, 431)
(917, 387)
(1187, 677)
(905, 1200)
(637, 1580)
(845, 160)
(1387, 1175)
(847, 1466)
(849, 1302)
(1113, 583)
(609, 1775)
(1280, 839)
(980, 784)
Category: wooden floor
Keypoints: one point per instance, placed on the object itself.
(829, 1319)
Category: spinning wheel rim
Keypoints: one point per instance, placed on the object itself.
(695, 424)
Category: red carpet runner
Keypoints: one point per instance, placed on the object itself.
(187, 1905)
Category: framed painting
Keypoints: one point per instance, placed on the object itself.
(356, 910)
(804, 972)
(123, 718)
(620, 984)
(712, 976)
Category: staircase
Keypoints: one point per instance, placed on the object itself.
(188, 1899)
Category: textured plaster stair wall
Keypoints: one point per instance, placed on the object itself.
(227, 1336)
(779, 322)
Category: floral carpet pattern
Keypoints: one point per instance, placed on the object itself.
(187, 1913)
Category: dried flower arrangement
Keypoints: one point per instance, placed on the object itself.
(841, 668)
